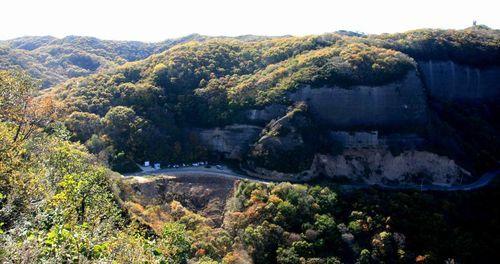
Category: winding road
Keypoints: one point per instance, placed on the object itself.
(484, 180)
(224, 172)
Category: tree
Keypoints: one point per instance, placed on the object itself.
(16, 91)
(287, 256)
(19, 106)
(364, 257)
(83, 125)
(174, 243)
(161, 76)
(119, 124)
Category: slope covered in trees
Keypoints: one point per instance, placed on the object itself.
(54, 60)
(59, 204)
(213, 82)
(477, 45)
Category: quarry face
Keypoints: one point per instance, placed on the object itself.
(382, 134)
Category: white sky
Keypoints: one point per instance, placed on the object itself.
(155, 20)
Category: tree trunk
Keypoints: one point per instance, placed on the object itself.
(81, 211)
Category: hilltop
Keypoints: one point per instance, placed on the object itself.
(53, 60)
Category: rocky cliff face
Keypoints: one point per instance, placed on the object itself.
(233, 141)
(379, 166)
(266, 114)
(389, 105)
(449, 81)
(355, 115)
(287, 144)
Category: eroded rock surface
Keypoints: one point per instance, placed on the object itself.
(286, 144)
(232, 141)
(390, 105)
(266, 114)
(449, 81)
(374, 166)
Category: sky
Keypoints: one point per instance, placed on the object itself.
(156, 20)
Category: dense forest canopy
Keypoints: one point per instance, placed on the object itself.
(476, 45)
(54, 60)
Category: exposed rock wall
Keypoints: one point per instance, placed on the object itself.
(389, 105)
(377, 166)
(287, 144)
(366, 109)
(372, 139)
(357, 139)
(447, 81)
(233, 141)
(267, 113)
(374, 166)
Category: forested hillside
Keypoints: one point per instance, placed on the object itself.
(210, 83)
(78, 111)
(214, 82)
(58, 203)
(54, 60)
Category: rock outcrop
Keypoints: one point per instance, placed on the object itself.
(286, 144)
(232, 141)
(266, 114)
(380, 166)
(373, 139)
(390, 105)
(353, 117)
(449, 81)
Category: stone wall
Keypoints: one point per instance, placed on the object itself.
(447, 81)
(390, 105)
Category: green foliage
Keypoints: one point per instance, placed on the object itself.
(16, 89)
(289, 223)
(213, 81)
(287, 144)
(437, 225)
(175, 244)
(476, 45)
(342, 65)
(55, 60)
(83, 125)
(57, 201)
(120, 124)
(287, 256)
